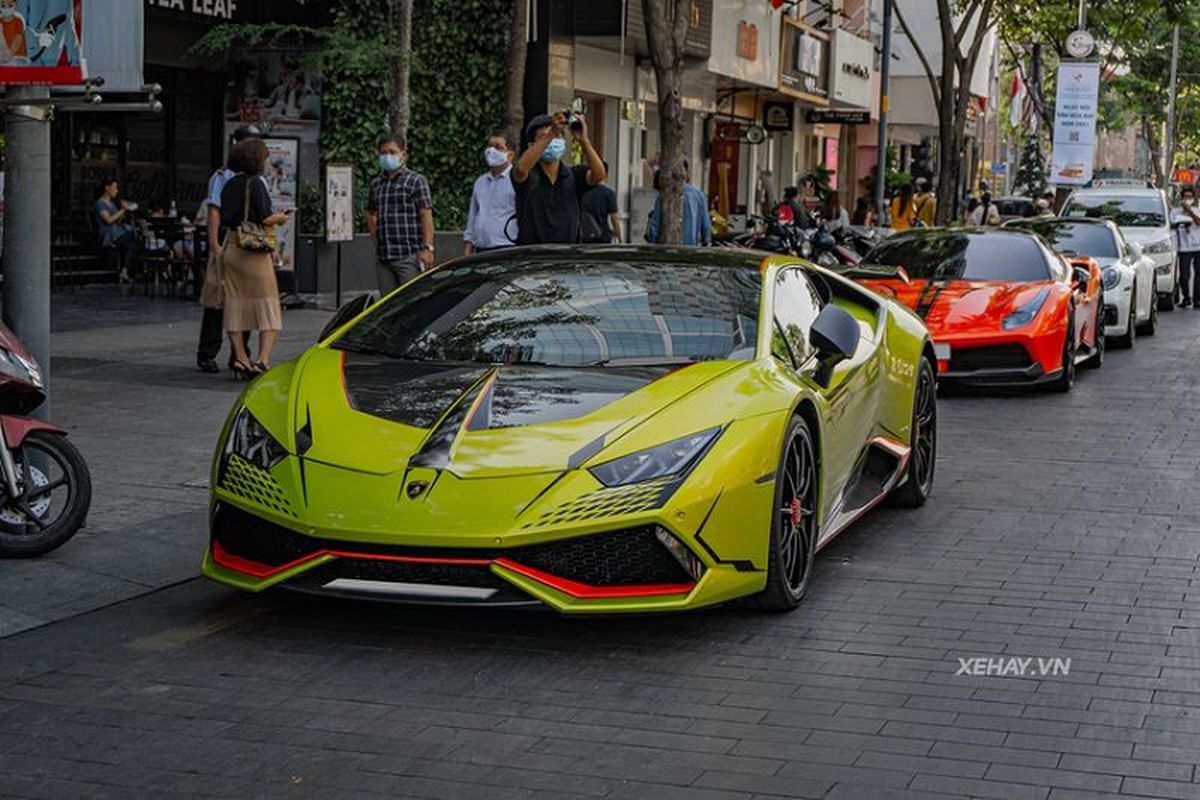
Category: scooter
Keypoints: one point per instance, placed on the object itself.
(45, 486)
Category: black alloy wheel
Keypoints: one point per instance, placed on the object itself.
(793, 521)
(922, 456)
(1066, 377)
(1127, 339)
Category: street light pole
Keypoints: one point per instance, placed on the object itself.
(885, 72)
(1169, 140)
(27, 223)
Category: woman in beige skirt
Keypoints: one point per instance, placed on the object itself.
(251, 292)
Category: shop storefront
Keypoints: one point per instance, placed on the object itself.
(166, 159)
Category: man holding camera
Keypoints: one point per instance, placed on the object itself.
(549, 192)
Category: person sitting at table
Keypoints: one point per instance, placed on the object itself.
(116, 230)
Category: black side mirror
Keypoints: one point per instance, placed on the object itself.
(347, 312)
(1081, 276)
(834, 335)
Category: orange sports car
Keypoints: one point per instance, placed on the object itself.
(1001, 306)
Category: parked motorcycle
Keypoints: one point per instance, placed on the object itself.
(815, 243)
(45, 487)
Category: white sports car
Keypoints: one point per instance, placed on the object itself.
(1130, 301)
(1143, 217)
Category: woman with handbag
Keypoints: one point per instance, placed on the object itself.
(247, 267)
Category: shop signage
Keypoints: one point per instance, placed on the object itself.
(806, 62)
(777, 116)
(747, 41)
(1072, 160)
(283, 181)
(1187, 176)
(222, 9)
(834, 116)
(43, 44)
(339, 203)
(850, 74)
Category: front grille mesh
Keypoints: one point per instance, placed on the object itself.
(254, 485)
(1001, 356)
(629, 557)
(614, 502)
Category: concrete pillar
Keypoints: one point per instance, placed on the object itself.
(27, 226)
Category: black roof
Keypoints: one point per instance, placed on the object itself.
(670, 255)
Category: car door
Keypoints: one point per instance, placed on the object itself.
(851, 393)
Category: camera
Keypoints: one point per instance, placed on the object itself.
(572, 121)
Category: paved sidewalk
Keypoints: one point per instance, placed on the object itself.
(124, 384)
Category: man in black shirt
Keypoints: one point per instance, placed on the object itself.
(548, 192)
(600, 203)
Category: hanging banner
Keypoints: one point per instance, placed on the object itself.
(1073, 159)
(40, 43)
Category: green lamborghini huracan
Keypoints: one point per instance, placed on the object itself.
(601, 430)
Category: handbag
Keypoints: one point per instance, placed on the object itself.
(253, 236)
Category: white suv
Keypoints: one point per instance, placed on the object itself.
(1144, 217)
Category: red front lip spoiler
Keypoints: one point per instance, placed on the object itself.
(580, 591)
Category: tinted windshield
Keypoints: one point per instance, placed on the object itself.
(960, 256)
(1145, 211)
(571, 314)
(1076, 238)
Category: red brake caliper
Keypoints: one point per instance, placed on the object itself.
(796, 511)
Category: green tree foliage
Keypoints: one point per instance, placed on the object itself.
(1030, 179)
(457, 88)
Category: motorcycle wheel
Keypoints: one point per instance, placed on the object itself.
(56, 492)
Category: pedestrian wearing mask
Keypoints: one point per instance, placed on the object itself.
(548, 191)
(399, 218)
(491, 220)
(1188, 221)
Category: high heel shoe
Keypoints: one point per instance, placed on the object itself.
(243, 372)
(259, 367)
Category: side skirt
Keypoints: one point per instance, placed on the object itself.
(881, 470)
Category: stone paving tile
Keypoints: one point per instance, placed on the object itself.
(1041, 541)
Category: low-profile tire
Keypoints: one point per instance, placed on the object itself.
(1150, 326)
(793, 521)
(1126, 340)
(922, 456)
(1096, 359)
(1066, 378)
(64, 513)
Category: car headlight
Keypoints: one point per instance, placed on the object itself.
(1164, 269)
(1159, 246)
(250, 440)
(671, 458)
(1112, 277)
(1025, 314)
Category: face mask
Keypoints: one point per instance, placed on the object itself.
(7, 13)
(390, 162)
(495, 158)
(554, 151)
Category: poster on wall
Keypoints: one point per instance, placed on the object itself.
(282, 175)
(273, 91)
(339, 203)
(1073, 157)
(41, 42)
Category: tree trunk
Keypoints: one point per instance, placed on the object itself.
(401, 14)
(666, 30)
(518, 51)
